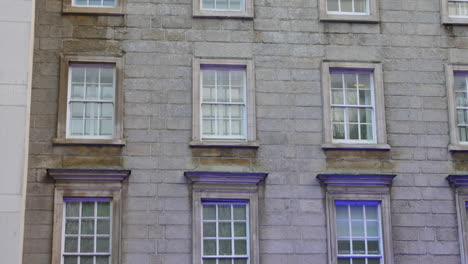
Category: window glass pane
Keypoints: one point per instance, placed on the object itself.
(364, 79)
(365, 97)
(342, 212)
(344, 261)
(209, 247)
(222, 76)
(240, 229)
(78, 74)
(357, 211)
(87, 226)
(209, 261)
(91, 91)
(235, 4)
(107, 110)
(87, 244)
(237, 94)
(209, 94)
(71, 244)
(332, 5)
(76, 127)
(373, 247)
(239, 212)
(359, 261)
(107, 75)
(91, 110)
(225, 261)
(353, 131)
(208, 111)
(102, 259)
(107, 92)
(90, 127)
(103, 209)
(350, 80)
(209, 212)
(72, 208)
(86, 260)
(87, 209)
(103, 226)
(209, 229)
(360, 6)
(351, 97)
(106, 127)
(463, 134)
(453, 8)
(224, 212)
(109, 3)
(373, 261)
(221, 4)
(337, 96)
(223, 93)
(208, 4)
(92, 74)
(366, 132)
(352, 115)
(461, 117)
(357, 228)
(365, 115)
(224, 229)
(102, 244)
(77, 110)
(237, 77)
(358, 247)
(95, 2)
(77, 92)
(371, 212)
(70, 260)
(81, 2)
(346, 6)
(236, 126)
(225, 247)
(344, 247)
(338, 114)
(71, 226)
(240, 261)
(208, 127)
(342, 228)
(338, 131)
(240, 247)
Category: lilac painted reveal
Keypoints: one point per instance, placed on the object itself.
(92, 65)
(460, 73)
(222, 67)
(87, 199)
(350, 70)
(230, 201)
(356, 202)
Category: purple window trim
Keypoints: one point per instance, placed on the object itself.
(357, 202)
(87, 199)
(362, 256)
(460, 73)
(84, 254)
(466, 204)
(351, 70)
(222, 67)
(92, 65)
(230, 201)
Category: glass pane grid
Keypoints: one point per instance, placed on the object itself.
(461, 98)
(220, 5)
(348, 7)
(358, 233)
(91, 102)
(225, 232)
(458, 8)
(352, 107)
(95, 3)
(223, 104)
(87, 232)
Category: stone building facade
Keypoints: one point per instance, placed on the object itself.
(159, 169)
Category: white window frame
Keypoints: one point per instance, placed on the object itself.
(247, 221)
(63, 253)
(97, 6)
(63, 136)
(371, 16)
(379, 140)
(69, 7)
(69, 100)
(460, 187)
(250, 137)
(455, 143)
(450, 19)
(246, 12)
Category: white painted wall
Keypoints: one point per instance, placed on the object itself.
(16, 31)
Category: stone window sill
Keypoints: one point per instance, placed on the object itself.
(117, 11)
(222, 14)
(458, 148)
(376, 147)
(83, 141)
(224, 144)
